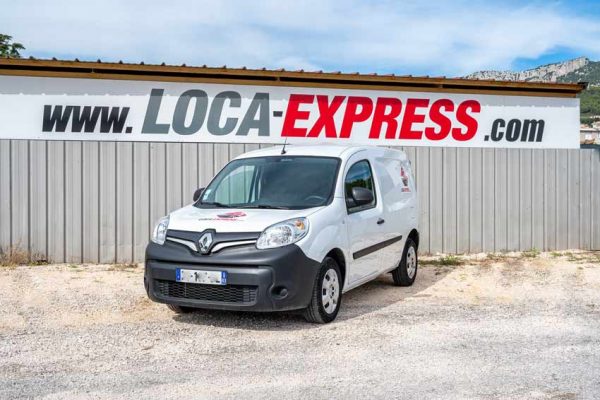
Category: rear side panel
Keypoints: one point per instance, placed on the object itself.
(397, 190)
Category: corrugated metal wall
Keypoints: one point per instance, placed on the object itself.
(96, 202)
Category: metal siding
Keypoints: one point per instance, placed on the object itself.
(73, 203)
(251, 147)
(562, 207)
(595, 199)
(56, 201)
(585, 232)
(513, 189)
(189, 172)
(525, 198)
(475, 209)
(436, 201)
(573, 199)
(462, 201)
(108, 202)
(174, 178)
(142, 223)
(500, 193)
(19, 194)
(449, 204)
(220, 156)
(235, 150)
(97, 202)
(206, 164)
(91, 202)
(421, 172)
(38, 203)
(5, 193)
(158, 188)
(550, 197)
(124, 202)
(537, 199)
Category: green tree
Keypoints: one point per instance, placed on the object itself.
(8, 48)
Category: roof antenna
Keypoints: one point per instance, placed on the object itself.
(283, 149)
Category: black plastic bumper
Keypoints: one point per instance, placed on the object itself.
(258, 280)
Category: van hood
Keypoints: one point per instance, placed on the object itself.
(194, 219)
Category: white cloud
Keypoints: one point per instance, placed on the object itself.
(450, 38)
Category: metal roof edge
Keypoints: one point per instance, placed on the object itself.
(101, 69)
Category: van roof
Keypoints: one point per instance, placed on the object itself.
(314, 150)
(311, 150)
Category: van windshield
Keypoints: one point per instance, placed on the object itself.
(277, 182)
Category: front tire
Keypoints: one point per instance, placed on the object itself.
(327, 294)
(406, 272)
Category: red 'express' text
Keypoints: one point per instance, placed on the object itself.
(389, 117)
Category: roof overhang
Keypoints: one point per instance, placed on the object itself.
(244, 76)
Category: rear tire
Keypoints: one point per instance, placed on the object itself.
(406, 272)
(180, 309)
(326, 297)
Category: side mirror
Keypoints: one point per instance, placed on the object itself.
(362, 196)
(197, 194)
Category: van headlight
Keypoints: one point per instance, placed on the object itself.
(283, 233)
(159, 235)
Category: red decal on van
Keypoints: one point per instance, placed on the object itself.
(233, 214)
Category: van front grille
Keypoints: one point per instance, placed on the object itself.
(214, 293)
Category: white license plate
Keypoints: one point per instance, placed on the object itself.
(200, 276)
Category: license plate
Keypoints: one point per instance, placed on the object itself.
(201, 276)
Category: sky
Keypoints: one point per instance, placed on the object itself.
(450, 38)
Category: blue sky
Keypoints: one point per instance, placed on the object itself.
(449, 38)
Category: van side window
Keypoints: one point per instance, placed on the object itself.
(359, 175)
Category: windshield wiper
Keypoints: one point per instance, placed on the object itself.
(266, 206)
(214, 203)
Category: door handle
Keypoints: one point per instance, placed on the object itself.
(380, 221)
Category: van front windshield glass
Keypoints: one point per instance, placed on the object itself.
(280, 182)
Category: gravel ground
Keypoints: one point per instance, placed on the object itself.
(508, 328)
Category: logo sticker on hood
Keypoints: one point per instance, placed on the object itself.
(229, 216)
(234, 214)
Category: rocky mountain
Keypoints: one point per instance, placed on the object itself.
(566, 71)
(577, 70)
(588, 73)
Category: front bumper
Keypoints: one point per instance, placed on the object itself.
(258, 280)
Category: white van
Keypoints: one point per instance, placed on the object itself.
(288, 228)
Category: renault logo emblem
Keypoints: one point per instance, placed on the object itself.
(205, 242)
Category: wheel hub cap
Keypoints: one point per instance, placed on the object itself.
(330, 293)
(411, 262)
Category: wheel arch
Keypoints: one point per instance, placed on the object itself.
(338, 255)
(414, 235)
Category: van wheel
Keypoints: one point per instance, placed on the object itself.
(180, 309)
(327, 294)
(406, 272)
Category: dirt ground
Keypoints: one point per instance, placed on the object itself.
(507, 326)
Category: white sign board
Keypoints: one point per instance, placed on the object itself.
(122, 110)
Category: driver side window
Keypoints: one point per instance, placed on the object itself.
(359, 175)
